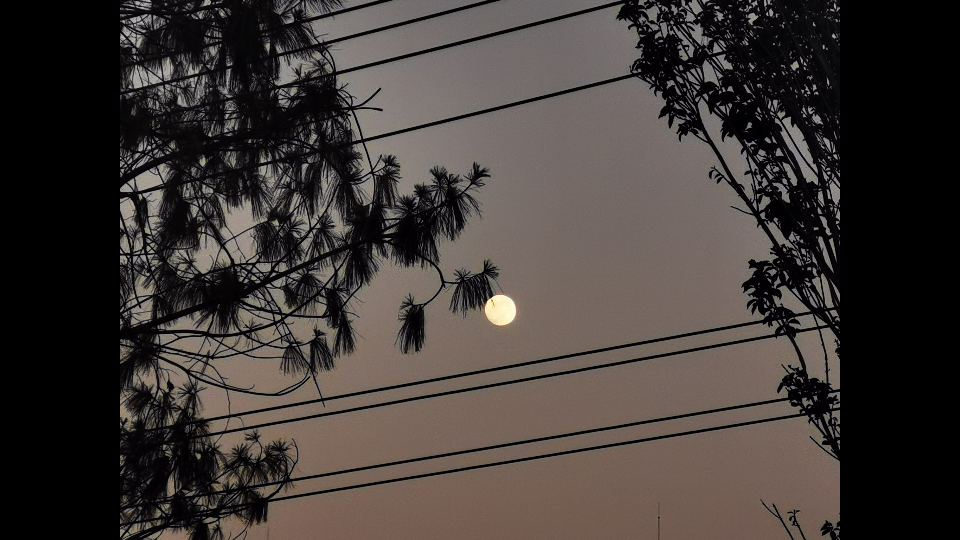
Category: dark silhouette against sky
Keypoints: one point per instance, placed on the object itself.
(606, 230)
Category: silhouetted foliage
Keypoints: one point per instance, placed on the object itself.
(764, 75)
(791, 524)
(250, 219)
(830, 529)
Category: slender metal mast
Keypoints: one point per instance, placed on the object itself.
(658, 521)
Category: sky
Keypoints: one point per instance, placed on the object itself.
(607, 231)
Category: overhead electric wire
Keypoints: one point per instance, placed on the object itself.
(316, 46)
(510, 444)
(307, 20)
(495, 369)
(495, 108)
(538, 440)
(125, 180)
(544, 456)
(511, 461)
(496, 384)
(409, 55)
(125, 194)
(474, 39)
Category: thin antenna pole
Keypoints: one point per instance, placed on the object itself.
(658, 521)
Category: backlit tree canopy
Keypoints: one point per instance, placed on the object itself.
(250, 218)
(758, 81)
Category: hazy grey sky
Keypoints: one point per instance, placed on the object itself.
(607, 230)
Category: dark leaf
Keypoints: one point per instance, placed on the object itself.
(412, 330)
(294, 362)
(471, 291)
(321, 358)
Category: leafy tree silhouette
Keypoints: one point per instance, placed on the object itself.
(758, 81)
(829, 529)
(246, 206)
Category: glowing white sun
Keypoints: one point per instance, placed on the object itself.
(500, 310)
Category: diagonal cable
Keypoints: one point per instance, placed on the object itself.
(484, 371)
(499, 384)
(406, 56)
(317, 46)
(516, 460)
(506, 445)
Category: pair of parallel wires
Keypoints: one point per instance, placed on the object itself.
(440, 456)
(423, 52)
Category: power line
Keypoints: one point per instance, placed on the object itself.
(409, 129)
(307, 20)
(481, 37)
(282, 26)
(498, 384)
(497, 108)
(310, 47)
(516, 443)
(133, 11)
(544, 456)
(404, 56)
(421, 126)
(518, 460)
(484, 371)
